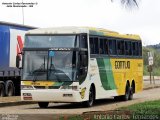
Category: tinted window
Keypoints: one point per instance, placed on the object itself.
(120, 47)
(112, 47)
(135, 48)
(51, 41)
(103, 49)
(128, 48)
(94, 45)
(140, 49)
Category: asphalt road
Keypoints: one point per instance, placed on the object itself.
(67, 108)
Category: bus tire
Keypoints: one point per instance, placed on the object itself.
(2, 89)
(43, 104)
(127, 93)
(10, 89)
(131, 93)
(117, 98)
(91, 100)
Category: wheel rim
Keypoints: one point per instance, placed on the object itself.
(127, 93)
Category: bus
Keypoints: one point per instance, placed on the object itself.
(80, 64)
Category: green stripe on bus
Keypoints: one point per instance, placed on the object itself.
(58, 83)
(106, 74)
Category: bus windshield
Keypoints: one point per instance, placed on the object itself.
(49, 65)
(51, 41)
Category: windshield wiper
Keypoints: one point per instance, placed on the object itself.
(40, 71)
(56, 72)
(52, 70)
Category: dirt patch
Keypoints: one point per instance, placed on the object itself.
(9, 99)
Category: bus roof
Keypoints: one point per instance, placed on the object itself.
(76, 30)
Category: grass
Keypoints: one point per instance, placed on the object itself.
(146, 110)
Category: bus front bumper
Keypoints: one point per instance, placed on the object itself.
(48, 95)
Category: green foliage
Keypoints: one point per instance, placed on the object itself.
(156, 66)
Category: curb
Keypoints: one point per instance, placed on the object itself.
(151, 87)
(6, 104)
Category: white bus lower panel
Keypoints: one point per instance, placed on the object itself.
(51, 95)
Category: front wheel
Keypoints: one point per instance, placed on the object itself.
(43, 104)
(90, 102)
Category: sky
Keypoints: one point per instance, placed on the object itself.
(144, 21)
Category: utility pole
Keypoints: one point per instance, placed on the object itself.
(22, 13)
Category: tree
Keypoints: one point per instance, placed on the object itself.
(129, 3)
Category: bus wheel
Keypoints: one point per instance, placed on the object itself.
(2, 89)
(43, 104)
(131, 93)
(10, 90)
(90, 102)
(127, 93)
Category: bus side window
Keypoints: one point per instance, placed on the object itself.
(91, 45)
(102, 49)
(106, 46)
(112, 47)
(120, 47)
(140, 49)
(135, 48)
(94, 48)
(128, 48)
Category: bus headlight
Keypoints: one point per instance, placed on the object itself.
(26, 87)
(69, 87)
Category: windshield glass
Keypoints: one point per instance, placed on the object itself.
(49, 65)
(51, 41)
